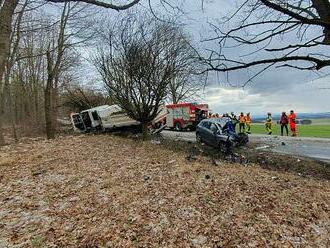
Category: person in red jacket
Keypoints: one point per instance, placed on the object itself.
(284, 123)
(292, 121)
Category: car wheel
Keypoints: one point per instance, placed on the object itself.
(178, 126)
(225, 147)
(198, 138)
(243, 139)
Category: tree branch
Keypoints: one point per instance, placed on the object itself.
(294, 15)
(318, 63)
(101, 4)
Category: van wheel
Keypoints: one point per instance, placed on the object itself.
(178, 126)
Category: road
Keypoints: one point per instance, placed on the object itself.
(316, 148)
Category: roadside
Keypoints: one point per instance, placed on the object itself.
(315, 148)
(108, 191)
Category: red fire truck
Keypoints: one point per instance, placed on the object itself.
(185, 115)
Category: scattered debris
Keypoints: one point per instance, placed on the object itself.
(172, 161)
(146, 178)
(191, 158)
(155, 142)
(217, 162)
(262, 147)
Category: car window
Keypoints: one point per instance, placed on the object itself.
(213, 127)
(206, 124)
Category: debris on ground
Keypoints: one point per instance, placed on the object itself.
(262, 147)
(155, 142)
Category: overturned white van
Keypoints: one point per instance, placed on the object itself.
(107, 118)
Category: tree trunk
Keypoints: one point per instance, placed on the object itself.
(48, 109)
(7, 92)
(55, 103)
(2, 138)
(6, 17)
(145, 130)
(323, 9)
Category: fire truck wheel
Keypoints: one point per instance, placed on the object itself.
(178, 126)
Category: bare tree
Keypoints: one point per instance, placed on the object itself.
(187, 80)
(78, 98)
(23, 64)
(14, 43)
(7, 11)
(61, 56)
(268, 27)
(137, 65)
(187, 83)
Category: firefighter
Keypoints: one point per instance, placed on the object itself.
(242, 121)
(248, 123)
(269, 122)
(292, 121)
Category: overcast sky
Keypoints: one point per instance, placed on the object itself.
(276, 90)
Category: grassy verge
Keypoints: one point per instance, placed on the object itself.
(319, 131)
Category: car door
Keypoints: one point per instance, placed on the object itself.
(212, 135)
(208, 134)
(202, 130)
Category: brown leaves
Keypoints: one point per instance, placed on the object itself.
(105, 191)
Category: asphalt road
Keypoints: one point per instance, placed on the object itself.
(316, 148)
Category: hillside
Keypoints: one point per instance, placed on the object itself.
(108, 191)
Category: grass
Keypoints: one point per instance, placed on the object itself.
(319, 131)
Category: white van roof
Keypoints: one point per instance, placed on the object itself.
(98, 108)
(104, 110)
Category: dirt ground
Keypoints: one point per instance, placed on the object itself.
(108, 191)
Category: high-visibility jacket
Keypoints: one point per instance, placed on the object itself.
(269, 120)
(242, 119)
(292, 118)
(248, 119)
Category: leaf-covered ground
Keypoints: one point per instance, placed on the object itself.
(107, 191)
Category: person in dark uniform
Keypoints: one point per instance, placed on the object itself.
(284, 121)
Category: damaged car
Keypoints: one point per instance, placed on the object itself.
(220, 133)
